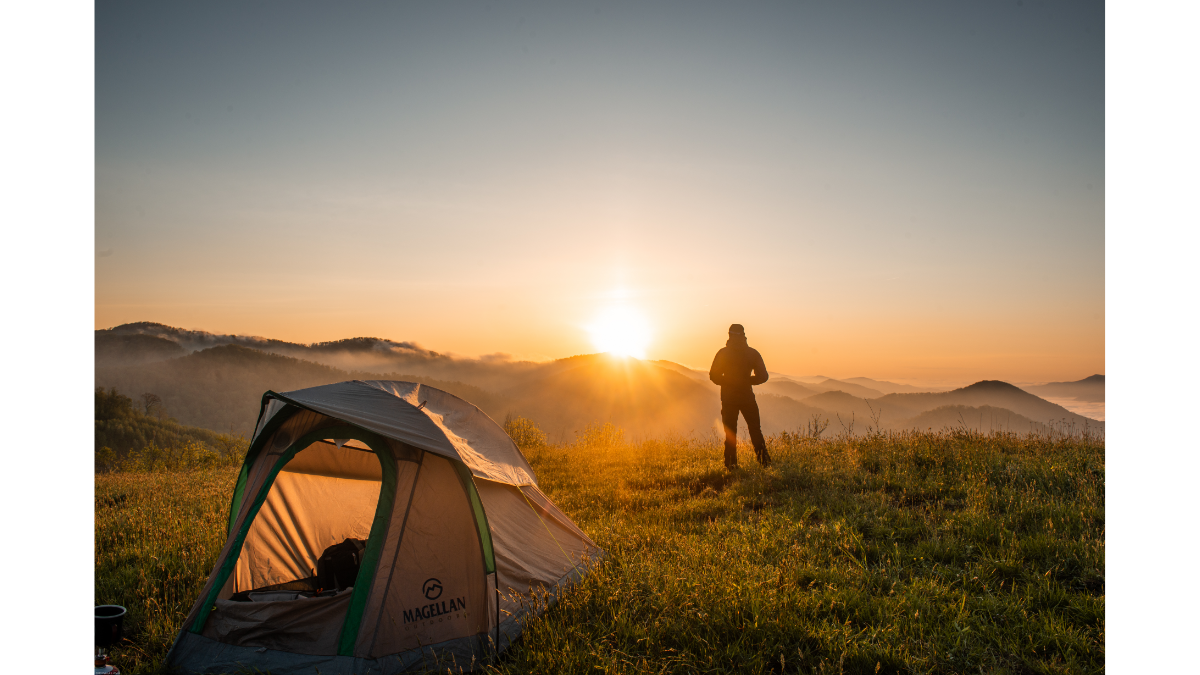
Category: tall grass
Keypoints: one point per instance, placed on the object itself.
(157, 538)
(947, 552)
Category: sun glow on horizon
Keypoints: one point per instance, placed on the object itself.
(621, 330)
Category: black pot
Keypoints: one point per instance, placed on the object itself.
(108, 625)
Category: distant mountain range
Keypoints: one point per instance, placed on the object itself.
(124, 349)
(1087, 389)
(216, 382)
(807, 386)
(880, 387)
(885, 387)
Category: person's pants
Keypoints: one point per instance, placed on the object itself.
(748, 407)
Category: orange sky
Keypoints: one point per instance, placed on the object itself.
(903, 193)
(911, 341)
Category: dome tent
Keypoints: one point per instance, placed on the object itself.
(456, 537)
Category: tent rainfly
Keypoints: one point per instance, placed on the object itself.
(378, 527)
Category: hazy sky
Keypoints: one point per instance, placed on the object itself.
(901, 190)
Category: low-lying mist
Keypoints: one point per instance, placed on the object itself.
(217, 381)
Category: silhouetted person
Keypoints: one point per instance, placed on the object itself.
(736, 368)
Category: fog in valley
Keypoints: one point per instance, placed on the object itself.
(216, 382)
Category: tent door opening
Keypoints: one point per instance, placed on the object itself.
(332, 489)
(311, 532)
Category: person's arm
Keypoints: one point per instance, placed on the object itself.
(760, 370)
(717, 372)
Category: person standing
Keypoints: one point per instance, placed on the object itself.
(736, 368)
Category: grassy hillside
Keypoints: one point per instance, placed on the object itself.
(136, 436)
(913, 553)
(123, 428)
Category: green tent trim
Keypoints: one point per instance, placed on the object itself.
(481, 522)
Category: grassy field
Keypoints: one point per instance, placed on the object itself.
(916, 553)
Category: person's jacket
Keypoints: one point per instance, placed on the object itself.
(736, 367)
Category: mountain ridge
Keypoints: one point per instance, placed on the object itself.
(1090, 388)
(219, 386)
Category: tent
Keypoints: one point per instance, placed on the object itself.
(460, 544)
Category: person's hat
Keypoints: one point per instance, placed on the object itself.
(736, 329)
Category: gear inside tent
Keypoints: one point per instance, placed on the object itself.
(378, 527)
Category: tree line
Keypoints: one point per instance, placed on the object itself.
(141, 436)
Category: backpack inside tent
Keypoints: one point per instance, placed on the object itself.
(378, 527)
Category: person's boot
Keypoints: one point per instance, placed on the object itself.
(763, 457)
(731, 457)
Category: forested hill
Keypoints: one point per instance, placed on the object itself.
(221, 388)
(123, 424)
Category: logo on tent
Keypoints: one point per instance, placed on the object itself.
(436, 609)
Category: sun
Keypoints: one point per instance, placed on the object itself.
(622, 331)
